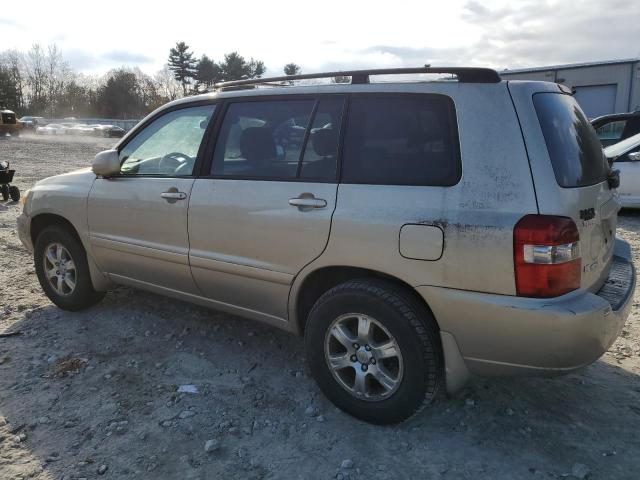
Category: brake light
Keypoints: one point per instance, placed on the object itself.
(546, 255)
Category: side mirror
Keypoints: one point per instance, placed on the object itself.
(634, 156)
(106, 164)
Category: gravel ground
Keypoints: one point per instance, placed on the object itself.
(95, 394)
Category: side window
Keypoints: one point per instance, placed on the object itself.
(169, 145)
(611, 132)
(321, 152)
(262, 139)
(402, 140)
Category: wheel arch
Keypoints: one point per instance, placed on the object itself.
(306, 291)
(43, 220)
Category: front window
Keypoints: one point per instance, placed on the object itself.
(169, 145)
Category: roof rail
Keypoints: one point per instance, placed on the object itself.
(464, 74)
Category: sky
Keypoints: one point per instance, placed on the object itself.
(95, 36)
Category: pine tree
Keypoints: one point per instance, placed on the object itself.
(182, 64)
(208, 72)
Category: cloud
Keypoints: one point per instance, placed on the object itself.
(11, 23)
(82, 60)
(545, 33)
(531, 34)
(120, 56)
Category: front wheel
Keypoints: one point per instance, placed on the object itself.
(374, 350)
(63, 271)
(4, 191)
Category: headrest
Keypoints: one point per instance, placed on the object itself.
(324, 141)
(256, 143)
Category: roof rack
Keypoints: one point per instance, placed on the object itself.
(464, 74)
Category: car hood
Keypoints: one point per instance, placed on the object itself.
(76, 177)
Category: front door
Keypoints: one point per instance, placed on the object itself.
(138, 219)
(265, 210)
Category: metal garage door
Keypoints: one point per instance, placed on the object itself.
(597, 100)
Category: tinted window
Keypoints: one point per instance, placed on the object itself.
(262, 139)
(574, 147)
(320, 155)
(402, 140)
(169, 145)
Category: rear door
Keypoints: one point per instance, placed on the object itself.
(569, 172)
(264, 210)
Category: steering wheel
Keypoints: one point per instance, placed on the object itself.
(174, 161)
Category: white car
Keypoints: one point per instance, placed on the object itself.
(79, 129)
(51, 129)
(625, 156)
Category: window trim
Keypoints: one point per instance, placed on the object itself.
(454, 130)
(201, 149)
(205, 168)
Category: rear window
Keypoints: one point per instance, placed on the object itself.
(574, 148)
(401, 140)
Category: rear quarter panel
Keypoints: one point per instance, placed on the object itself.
(477, 215)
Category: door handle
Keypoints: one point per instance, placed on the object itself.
(307, 202)
(173, 195)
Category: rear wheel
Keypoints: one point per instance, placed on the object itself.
(63, 271)
(374, 350)
(14, 193)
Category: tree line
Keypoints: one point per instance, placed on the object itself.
(41, 82)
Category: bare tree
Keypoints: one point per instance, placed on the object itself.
(36, 78)
(168, 87)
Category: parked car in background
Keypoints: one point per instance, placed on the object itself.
(51, 129)
(79, 129)
(625, 156)
(111, 131)
(616, 127)
(9, 123)
(31, 123)
(439, 229)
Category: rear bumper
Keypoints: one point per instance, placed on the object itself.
(505, 335)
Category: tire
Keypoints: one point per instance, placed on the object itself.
(83, 294)
(395, 313)
(14, 193)
(4, 190)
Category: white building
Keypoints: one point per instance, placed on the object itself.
(600, 87)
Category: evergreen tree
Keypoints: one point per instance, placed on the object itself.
(182, 64)
(208, 72)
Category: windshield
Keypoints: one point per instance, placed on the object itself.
(622, 147)
(574, 148)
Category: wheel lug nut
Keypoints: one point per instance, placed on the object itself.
(364, 367)
(367, 348)
(353, 358)
(373, 361)
(356, 346)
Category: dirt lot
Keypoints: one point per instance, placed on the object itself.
(94, 394)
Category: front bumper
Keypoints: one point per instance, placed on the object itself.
(505, 335)
(24, 231)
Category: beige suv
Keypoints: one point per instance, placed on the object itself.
(414, 232)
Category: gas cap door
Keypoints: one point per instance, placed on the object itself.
(421, 242)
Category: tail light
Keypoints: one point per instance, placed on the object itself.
(546, 255)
